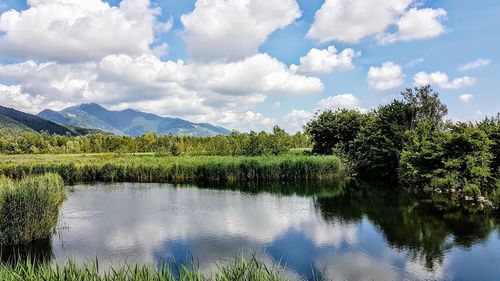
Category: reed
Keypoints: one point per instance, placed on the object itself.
(181, 169)
(241, 269)
(29, 207)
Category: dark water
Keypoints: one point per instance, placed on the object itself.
(337, 232)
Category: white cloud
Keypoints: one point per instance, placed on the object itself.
(475, 64)
(222, 29)
(222, 93)
(71, 30)
(414, 62)
(442, 80)
(326, 60)
(352, 20)
(295, 120)
(466, 97)
(14, 97)
(348, 101)
(417, 24)
(388, 76)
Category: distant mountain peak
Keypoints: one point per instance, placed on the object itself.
(90, 106)
(129, 121)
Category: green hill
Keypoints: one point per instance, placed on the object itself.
(15, 122)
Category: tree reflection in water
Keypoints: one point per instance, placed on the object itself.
(408, 223)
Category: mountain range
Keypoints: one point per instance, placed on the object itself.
(128, 122)
(15, 122)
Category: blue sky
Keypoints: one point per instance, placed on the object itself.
(248, 64)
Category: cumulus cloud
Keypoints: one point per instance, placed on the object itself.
(442, 80)
(221, 29)
(72, 30)
(466, 97)
(296, 119)
(352, 20)
(223, 93)
(417, 24)
(479, 63)
(388, 76)
(348, 101)
(326, 60)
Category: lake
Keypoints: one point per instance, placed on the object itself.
(339, 232)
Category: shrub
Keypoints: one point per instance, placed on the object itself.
(471, 190)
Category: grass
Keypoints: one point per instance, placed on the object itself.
(188, 169)
(241, 269)
(29, 208)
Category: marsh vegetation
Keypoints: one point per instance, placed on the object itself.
(29, 208)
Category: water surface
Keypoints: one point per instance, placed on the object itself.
(338, 232)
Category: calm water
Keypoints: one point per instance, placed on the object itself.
(340, 232)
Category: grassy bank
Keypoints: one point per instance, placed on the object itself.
(29, 208)
(241, 269)
(151, 168)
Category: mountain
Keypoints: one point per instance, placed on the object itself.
(14, 122)
(128, 122)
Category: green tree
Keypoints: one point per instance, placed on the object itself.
(334, 129)
(376, 149)
(425, 106)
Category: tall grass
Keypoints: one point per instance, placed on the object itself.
(241, 269)
(189, 169)
(29, 208)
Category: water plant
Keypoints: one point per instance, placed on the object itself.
(240, 269)
(189, 169)
(29, 207)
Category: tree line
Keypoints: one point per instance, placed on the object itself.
(410, 140)
(248, 144)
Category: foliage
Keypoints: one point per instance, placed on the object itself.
(491, 126)
(29, 208)
(456, 158)
(373, 141)
(376, 150)
(425, 106)
(335, 129)
(409, 140)
(471, 190)
(251, 144)
(240, 269)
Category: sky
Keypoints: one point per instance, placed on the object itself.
(248, 64)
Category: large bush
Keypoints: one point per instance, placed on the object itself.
(29, 208)
(491, 126)
(456, 158)
(335, 129)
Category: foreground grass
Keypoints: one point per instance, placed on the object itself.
(151, 168)
(29, 208)
(241, 269)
